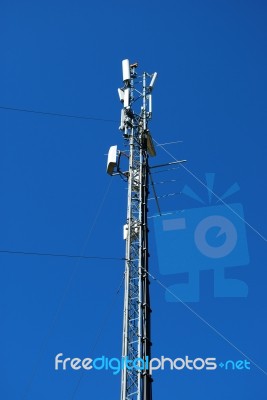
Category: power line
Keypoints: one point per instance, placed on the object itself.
(33, 253)
(47, 113)
(63, 298)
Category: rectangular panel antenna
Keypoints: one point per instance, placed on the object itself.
(126, 75)
(150, 145)
(112, 159)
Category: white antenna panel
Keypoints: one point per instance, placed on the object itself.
(150, 103)
(154, 77)
(126, 76)
(126, 97)
(121, 127)
(112, 159)
(121, 95)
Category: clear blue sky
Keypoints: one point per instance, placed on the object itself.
(65, 57)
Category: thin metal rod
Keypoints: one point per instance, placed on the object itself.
(170, 163)
(165, 144)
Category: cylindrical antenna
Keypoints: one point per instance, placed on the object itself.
(154, 77)
(126, 75)
(150, 104)
(126, 97)
(121, 127)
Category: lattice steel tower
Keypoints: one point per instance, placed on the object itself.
(135, 384)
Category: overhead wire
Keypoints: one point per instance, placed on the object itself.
(63, 297)
(81, 257)
(48, 113)
(165, 144)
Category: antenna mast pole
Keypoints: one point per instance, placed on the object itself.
(136, 342)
